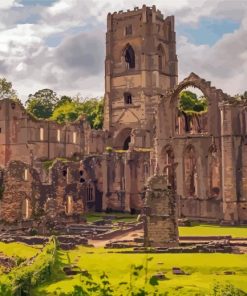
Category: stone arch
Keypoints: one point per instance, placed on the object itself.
(123, 139)
(129, 56)
(213, 172)
(190, 172)
(210, 121)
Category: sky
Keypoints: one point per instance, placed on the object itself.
(60, 44)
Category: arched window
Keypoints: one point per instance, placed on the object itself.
(129, 56)
(190, 172)
(161, 55)
(126, 143)
(127, 98)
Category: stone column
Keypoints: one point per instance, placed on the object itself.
(106, 189)
(229, 193)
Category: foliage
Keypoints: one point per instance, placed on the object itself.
(190, 103)
(31, 273)
(202, 269)
(6, 89)
(42, 103)
(226, 290)
(47, 164)
(70, 110)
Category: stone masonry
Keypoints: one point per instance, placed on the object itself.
(159, 214)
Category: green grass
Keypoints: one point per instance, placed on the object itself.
(18, 250)
(92, 217)
(203, 270)
(204, 229)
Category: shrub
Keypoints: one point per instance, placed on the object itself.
(30, 273)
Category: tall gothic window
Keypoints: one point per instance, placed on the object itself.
(129, 55)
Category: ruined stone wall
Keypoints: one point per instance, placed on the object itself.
(65, 190)
(22, 137)
(159, 214)
(125, 174)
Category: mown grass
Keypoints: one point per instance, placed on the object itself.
(18, 250)
(92, 217)
(203, 270)
(208, 229)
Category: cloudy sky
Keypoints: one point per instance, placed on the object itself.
(59, 44)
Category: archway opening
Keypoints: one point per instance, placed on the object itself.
(191, 112)
(126, 143)
(129, 56)
(123, 139)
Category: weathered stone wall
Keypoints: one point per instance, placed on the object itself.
(25, 138)
(125, 174)
(159, 214)
(67, 189)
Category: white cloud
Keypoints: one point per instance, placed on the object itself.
(7, 4)
(76, 64)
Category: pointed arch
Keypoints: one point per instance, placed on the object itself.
(129, 56)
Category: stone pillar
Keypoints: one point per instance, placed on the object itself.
(229, 193)
(128, 181)
(159, 211)
(106, 189)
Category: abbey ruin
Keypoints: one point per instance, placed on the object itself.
(60, 171)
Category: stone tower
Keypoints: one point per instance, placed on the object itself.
(140, 65)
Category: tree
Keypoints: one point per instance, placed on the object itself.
(191, 106)
(71, 110)
(6, 89)
(42, 103)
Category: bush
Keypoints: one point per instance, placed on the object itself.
(30, 273)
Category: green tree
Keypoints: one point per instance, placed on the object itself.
(42, 103)
(6, 89)
(70, 110)
(191, 106)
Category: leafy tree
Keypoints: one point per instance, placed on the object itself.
(66, 112)
(6, 89)
(191, 106)
(42, 103)
(190, 103)
(70, 110)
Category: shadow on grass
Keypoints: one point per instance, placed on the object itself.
(57, 275)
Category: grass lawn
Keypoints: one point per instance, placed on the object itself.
(204, 229)
(18, 250)
(203, 270)
(92, 217)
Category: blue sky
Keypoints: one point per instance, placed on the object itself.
(208, 30)
(60, 44)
